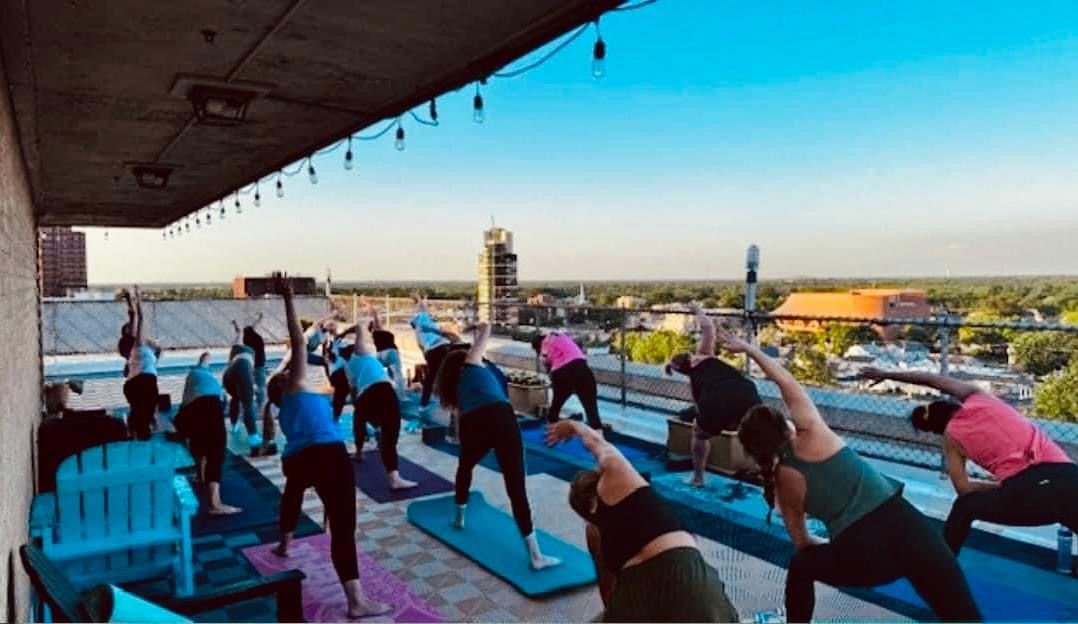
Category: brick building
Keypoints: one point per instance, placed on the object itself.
(63, 261)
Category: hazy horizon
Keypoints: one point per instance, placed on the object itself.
(846, 140)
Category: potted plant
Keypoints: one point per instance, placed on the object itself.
(527, 391)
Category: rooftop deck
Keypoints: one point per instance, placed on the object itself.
(727, 518)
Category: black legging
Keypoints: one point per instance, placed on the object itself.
(494, 427)
(239, 383)
(893, 541)
(575, 378)
(202, 423)
(378, 405)
(434, 359)
(341, 389)
(1041, 494)
(326, 468)
(141, 393)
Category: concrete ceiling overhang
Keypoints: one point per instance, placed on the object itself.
(92, 85)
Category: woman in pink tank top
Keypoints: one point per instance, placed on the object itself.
(1036, 483)
(569, 375)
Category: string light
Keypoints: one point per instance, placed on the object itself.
(209, 215)
(433, 110)
(348, 156)
(164, 235)
(478, 114)
(221, 203)
(280, 185)
(106, 235)
(598, 54)
(310, 170)
(198, 222)
(187, 224)
(399, 142)
(239, 208)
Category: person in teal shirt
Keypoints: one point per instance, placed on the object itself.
(201, 422)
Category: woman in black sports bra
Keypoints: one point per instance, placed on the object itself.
(649, 567)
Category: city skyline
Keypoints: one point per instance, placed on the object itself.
(934, 141)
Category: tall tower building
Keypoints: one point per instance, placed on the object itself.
(63, 261)
(498, 277)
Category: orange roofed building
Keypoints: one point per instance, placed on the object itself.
(868, 303)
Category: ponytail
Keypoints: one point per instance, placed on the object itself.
(764, 434)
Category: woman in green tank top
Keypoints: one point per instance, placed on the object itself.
(876, 536)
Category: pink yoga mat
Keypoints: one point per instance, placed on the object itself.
(323, 597)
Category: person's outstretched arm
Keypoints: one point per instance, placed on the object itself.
(376, 319)
(297, 366)
(364, 342)
(707, 331)
(257, 323)
(802, 409)
(953, 387)
(130, 310)
(607, 456)
(237, 337)
(479, 348)
(138, 328)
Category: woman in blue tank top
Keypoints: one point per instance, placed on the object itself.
(315, 456)
(876, 536)
(140, 388)
(375, 401)
(487, 422)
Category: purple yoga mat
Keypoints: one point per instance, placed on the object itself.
(371, 479)
(323, 597)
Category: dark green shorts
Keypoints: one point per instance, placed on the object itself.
(675, 586)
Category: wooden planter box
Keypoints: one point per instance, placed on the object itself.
(727, 455)
(528, 399)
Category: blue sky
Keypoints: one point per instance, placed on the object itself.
(845, 138)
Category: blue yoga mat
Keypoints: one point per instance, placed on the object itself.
(371, 478)
(536, 436)
(535, 463)
(491, 539)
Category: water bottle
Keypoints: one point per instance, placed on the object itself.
(1064, 556)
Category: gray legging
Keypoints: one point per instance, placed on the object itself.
(239, 382)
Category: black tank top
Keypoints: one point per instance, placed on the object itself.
(625, 528)
(722, 392)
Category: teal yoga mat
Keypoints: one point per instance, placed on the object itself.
(491, 539)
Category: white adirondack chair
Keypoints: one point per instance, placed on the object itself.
(120, 513)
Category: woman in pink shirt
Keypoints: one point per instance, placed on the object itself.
(1036, 483)
(569, 374)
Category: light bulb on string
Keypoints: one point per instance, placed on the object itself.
(222, 205)
(433, 110)
(258, 198)
(239, 208)
(164, 235)
(598, 54)
(106, 235)
(187, 224)
(348, 156)
(399, 142)
(310, 170)
(478, 113)
(209, 216)
(280, 186)
(198, 222)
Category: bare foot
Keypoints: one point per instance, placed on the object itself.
(368, 608)
(545, 562)
(401, 484)
(280, 551)
(696, 482)
(223, 510)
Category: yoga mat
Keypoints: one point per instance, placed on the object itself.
(491, 539)
(244, 487)
(371, 479)
(323, 597)
(734, 514)
(535, 436)
(535, 463)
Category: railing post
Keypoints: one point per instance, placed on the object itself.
(945, 367)
(622, 354)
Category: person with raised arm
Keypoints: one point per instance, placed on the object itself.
(388, 354)
(722, 394)
(649, 566)
(876, 536)
(239, 383)
(434, 343)
(126, 343)
(476, 390)
(1035, 482)
(569, 374)
(140, 388)
(315, 456)
(375, 402)
(253, 339)
(201, 421)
